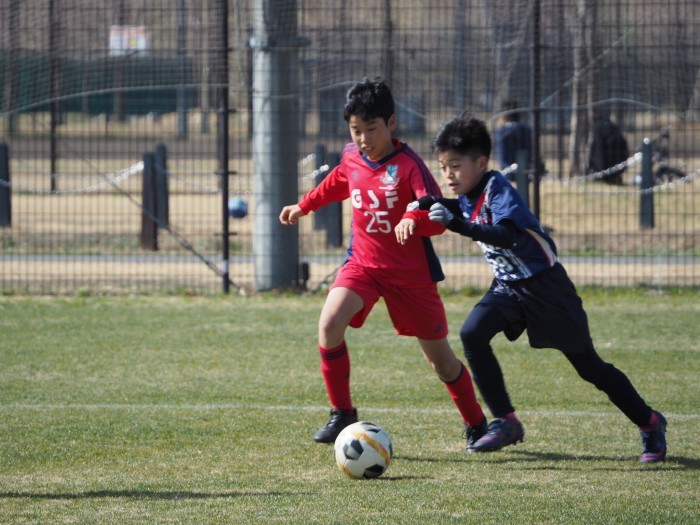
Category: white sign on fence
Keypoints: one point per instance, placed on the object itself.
(128, 40)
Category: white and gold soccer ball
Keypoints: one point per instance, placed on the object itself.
(363, 450)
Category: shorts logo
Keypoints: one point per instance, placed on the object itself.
(391, 177)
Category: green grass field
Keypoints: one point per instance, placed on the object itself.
(201, 410)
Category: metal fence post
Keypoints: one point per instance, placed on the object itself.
(321, 215)
(222, 146)
(149, 226)
(5, 188)
(334, 215)
(522, 176)
(162, 191)
(646, 208)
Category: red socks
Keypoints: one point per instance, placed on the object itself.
(335, 368)
(462, 392)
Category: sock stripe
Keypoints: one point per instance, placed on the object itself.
(334, 353)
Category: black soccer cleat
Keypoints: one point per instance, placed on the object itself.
(654, 441)
(336, 423)
(474, 434)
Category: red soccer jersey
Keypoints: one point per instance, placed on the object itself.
(380, 192)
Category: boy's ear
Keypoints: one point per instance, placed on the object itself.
(483, 163)
(391, 123)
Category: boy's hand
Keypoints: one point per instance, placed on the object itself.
(438, 213)
(290, 214)
(404, 230)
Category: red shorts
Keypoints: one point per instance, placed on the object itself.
(416, 311)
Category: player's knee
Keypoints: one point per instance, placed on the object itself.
(331, 327)
(469, 347)
(447, 368)
(473, 341)
(482, 324)
(599, 374)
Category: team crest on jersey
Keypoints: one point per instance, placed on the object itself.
(391, 177)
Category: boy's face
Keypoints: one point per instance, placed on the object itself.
(460, 171)
(373, 137)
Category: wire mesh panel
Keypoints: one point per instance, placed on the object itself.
(127, 127)
(92, 90)
(565, 67)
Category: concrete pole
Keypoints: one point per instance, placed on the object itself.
(275, 48)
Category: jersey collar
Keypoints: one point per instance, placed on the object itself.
(398, 148)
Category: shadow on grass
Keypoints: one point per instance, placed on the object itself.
(689, 463)
(143, 495)
(671, 463)
(528, 456)
(401, 478)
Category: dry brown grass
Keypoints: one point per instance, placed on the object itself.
(586, 218)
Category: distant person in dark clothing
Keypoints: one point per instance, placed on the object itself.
(608, 150)
(511, 136)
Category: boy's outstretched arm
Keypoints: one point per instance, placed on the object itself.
(416, 222)
(333, 188)
(424, 203)
(502, 234)
(290, 214)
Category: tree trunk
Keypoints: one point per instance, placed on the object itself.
(582, 86)
(693, 111)
(388, 45)
(510, 26)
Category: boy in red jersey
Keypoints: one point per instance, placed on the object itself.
(381, 176)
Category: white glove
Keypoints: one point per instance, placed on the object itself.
(438, 213)
(423, 203)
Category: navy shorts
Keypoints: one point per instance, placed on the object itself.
(547, 306)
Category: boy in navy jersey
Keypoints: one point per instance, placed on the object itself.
(531, 290)
(381, 176)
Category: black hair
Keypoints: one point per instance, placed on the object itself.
(466, 135)
(510, 113)
(369, 99)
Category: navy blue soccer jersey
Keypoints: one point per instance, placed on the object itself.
(533, 250)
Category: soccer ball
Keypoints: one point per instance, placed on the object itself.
(237, 207)
(363, 450)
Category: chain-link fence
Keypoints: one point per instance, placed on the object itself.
(127, 127)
